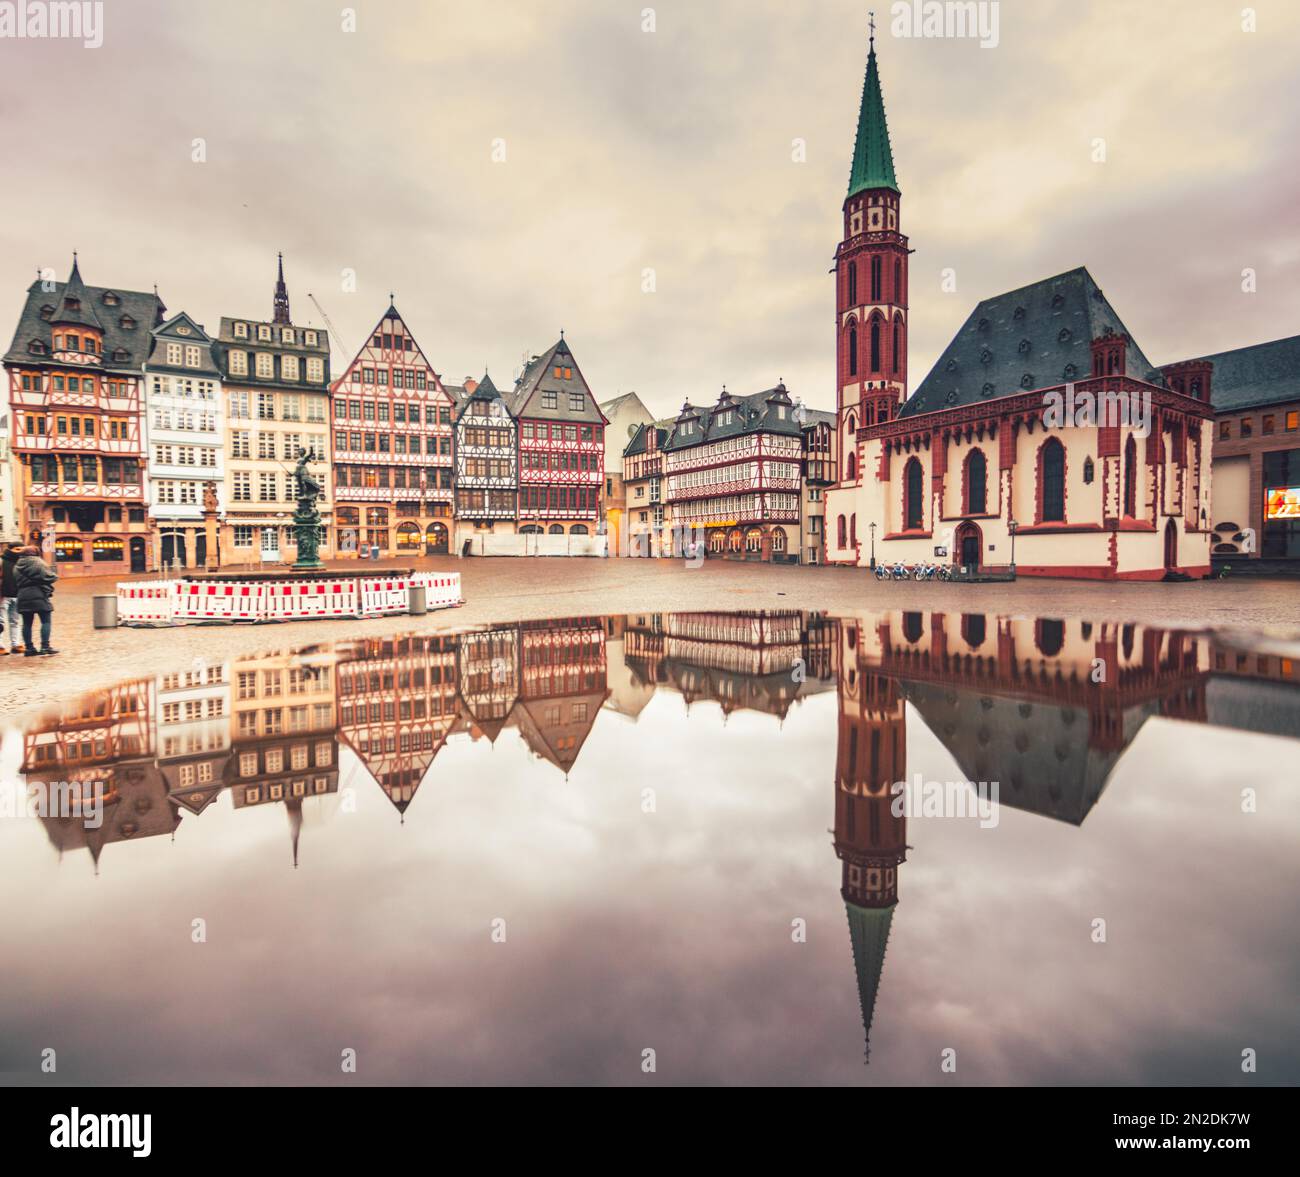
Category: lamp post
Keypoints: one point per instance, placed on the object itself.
(873, 545)
(1012, 525)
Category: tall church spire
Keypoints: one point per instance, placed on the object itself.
(281, 296)
(873, 162)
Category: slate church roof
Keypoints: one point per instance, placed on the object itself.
(1036, 337)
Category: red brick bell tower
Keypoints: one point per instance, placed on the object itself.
(870, 283)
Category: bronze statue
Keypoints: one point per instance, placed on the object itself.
(306, 519)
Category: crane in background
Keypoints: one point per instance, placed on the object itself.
(334, 331)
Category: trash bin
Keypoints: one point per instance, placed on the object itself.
(374, 552)
(363, 553)
(104, 611)
(418, 604)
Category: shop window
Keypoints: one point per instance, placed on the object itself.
(68, 550)
(107, 547)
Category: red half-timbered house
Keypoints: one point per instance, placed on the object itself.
(75, 390)
(561, 446)
(392, 421)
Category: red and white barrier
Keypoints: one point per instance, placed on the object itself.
(441, 589)
(175, 602)
(147, 602)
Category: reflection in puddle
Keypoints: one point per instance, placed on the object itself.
(1043, 707)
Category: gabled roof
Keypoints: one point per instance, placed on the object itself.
(132, 343)
(538, 376)
(641, 437)
(1262, 374)
(194, 335)
(76, 306)
(759, 412)
(1038, 336)
(485, 390)
(627, 400)
(873, 162)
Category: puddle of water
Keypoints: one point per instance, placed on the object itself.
(533, 852)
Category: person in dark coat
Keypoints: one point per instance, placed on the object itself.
(9, 594)
(35, 580)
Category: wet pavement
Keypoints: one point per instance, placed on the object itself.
(767, 843)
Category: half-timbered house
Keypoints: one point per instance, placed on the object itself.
(75, 373)
(643, 488)
(561, 446)
(734, 470)
(487, 464)
(397, 702)
(392, 447)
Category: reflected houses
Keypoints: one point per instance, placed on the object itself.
(193, 714)
(284, 733)
(397, 702)
(488, 667)
(103, 744)
(562, 685)
(758, 661)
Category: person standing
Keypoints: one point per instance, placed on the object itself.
(9, 595)
(35, 580)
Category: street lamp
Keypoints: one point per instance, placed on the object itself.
(1012, 525)
(873, 546)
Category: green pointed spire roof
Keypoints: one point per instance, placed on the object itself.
(873, 162)
(869, 932)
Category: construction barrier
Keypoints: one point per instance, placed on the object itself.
(147, 602)
(180, 602)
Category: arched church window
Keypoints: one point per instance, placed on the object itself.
(1051, 478)
(913, 507)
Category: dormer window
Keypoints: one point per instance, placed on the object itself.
(986, 356)
(263, 332)
(1070, 372)
(1027, 380)
(1058, 301)
(1064, 336)
(1020, 314)
(1024, 346)
(952, 366)
(987, 390)
(241, 330)
(36, 347)
(310, 338)
(121, 355)
(128, 323)
(111, 299)
(47, 311)
(983, 325)
(73, 304)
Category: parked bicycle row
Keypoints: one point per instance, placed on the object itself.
(901, 571)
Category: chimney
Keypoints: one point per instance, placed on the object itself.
(470, 385)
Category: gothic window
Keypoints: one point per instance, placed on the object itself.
(875, 279)
(852, 467)
(843, 532)
(853, 351)
(895, 348)
(1130, 477)
(913, 512)
(1051, 477)
(973, 629)
(875, 345)
(853, 284)
(913, 626)
(976, 483)
(1088, 471)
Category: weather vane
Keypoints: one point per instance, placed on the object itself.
(871, 24)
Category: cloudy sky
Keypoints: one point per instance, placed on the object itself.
(668, 150)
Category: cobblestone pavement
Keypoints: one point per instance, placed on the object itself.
(526, 589)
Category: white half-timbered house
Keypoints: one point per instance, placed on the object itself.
(487, 463)
(735, 471)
